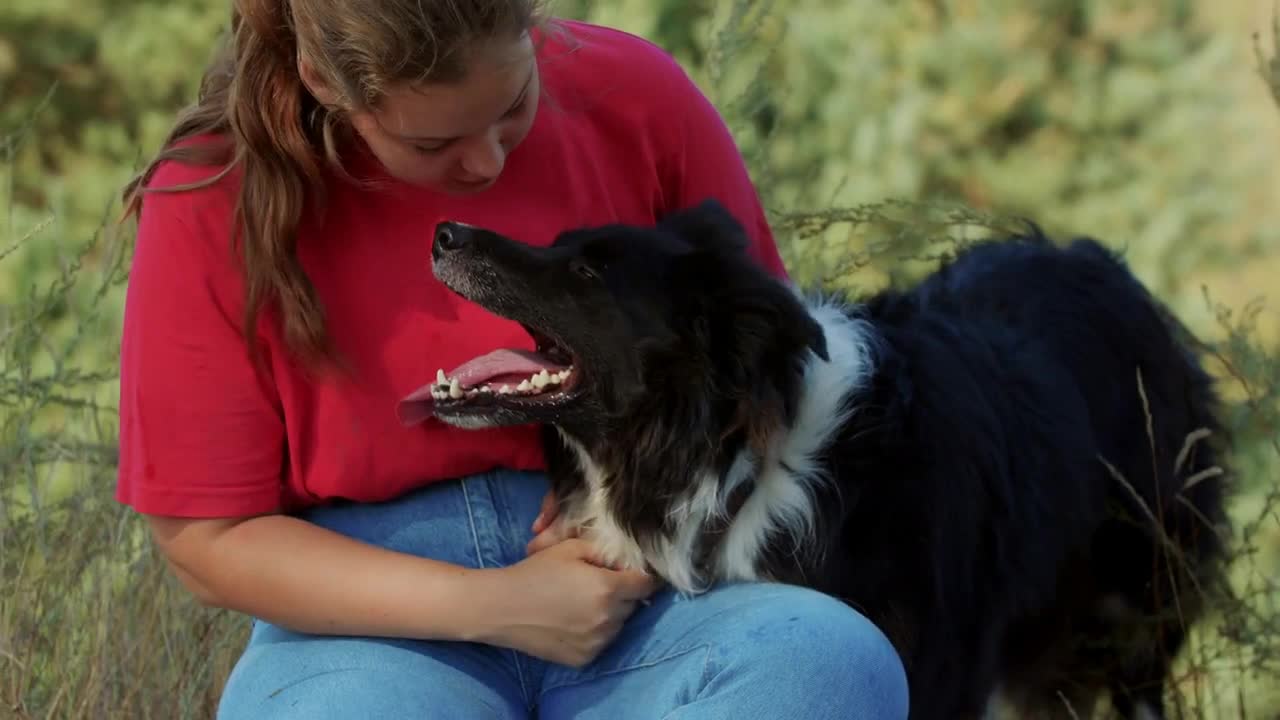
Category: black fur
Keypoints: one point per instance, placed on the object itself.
(982, 511)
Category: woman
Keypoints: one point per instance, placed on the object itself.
(392, 571)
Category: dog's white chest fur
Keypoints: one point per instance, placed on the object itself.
(780, 504)
(588, 512)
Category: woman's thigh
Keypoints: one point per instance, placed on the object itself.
(482, 521)
(742, 650)
(287, 675)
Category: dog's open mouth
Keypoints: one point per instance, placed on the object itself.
(536, 376)
(507, 377)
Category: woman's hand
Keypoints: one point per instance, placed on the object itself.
(549, 528)
(561, 604)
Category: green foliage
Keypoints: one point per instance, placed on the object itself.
(881, 136)
(1088, 116)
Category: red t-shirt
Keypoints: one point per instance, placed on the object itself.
(624, 137)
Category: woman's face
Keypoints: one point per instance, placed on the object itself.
(456, 137)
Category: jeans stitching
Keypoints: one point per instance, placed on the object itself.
(471, 521)
(271, 697)
(628, 668)
(707, 675)
(505, 521)
(490, 488)
(504, 518)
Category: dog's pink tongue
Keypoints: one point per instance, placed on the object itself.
(507, 364)
(500, 363)
(417, 406)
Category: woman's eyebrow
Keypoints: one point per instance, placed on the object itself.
(524, 90)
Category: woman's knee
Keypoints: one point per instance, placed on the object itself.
(332, 693)
(819, 643)
(342, 677)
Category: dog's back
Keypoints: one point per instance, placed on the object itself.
(1035, 455)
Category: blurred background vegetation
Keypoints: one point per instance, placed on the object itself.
(879, 134)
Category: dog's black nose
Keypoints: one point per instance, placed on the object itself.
(451, 236)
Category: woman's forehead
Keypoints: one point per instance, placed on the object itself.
(495, 81)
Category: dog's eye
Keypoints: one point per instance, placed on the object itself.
(583, 270)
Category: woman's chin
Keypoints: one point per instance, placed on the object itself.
(467, 187)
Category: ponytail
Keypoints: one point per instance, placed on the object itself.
(253, 98)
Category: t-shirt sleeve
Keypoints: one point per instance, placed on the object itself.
(704, 162)
(201, 434)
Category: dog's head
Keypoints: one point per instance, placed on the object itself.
(625, 318)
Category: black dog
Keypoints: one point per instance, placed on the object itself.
(1011, 468)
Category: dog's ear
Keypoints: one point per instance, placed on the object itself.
(767, 319)
(754, 335)
(767, 351)
(732, 302)
(757, 336)
(708, 225)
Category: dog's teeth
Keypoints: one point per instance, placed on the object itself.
(455, 389)
(553, 379)
(486, 389)
(540, 380)
(504, 390)
(440, 378)
(524, 386)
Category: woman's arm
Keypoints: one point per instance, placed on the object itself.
(560, 605)
(301, 576)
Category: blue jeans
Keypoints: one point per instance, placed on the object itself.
(739, 651)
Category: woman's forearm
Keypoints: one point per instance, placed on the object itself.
(310, 579)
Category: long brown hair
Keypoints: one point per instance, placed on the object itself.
(279, 137)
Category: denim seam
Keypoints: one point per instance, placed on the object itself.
(271, 697)
(480, 562)
(305, 678)
(615, 671)
(505, 518)
(471, 521)
(707, 676)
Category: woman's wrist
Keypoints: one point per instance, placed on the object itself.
(481, 601)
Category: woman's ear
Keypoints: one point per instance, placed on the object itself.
(314, 84)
